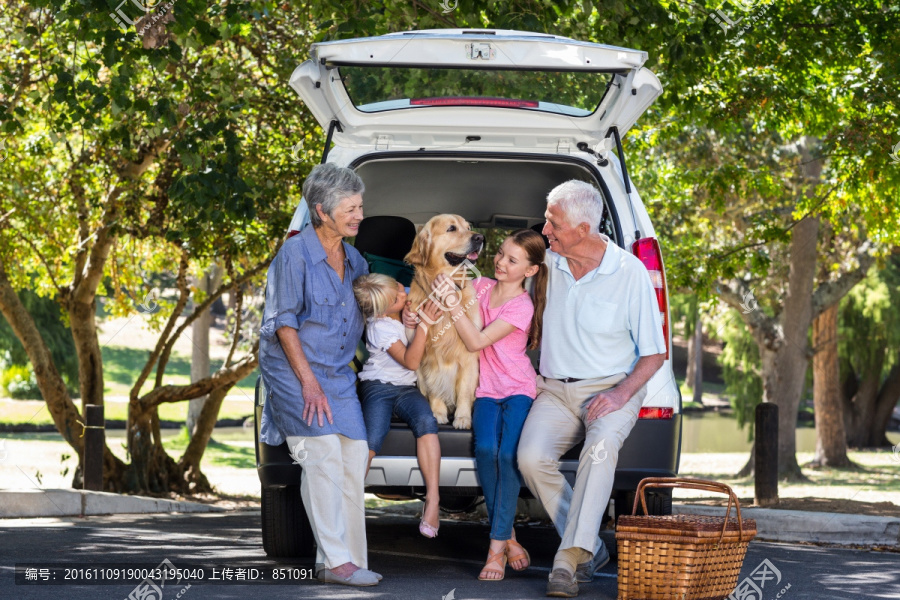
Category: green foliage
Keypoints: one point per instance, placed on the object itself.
(18, 382)
(740, 369)
(869, 323)
(56, 334)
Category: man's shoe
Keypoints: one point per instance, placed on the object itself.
(562, 584)
(586, 570)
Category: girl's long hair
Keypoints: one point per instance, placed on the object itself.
(533, 244)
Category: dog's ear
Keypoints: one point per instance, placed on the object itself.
(421, 248)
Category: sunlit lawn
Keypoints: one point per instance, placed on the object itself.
(35, 411)
(122, 365)
(877, 479)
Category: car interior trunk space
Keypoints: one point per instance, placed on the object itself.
(487, 192)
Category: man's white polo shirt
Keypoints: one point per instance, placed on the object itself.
(601, 324)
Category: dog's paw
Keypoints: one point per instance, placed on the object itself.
(462, 422)
(441, 417)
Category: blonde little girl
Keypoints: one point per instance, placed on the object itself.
(388, 383)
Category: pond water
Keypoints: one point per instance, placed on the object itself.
(717, 432)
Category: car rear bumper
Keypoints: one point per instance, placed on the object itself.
(651, 450)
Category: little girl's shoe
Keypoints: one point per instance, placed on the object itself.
(427, 530)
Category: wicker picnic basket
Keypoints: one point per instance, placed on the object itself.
(681, 557)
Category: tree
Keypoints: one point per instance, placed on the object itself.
(204, 283)
(831, 439)
(130, 156)
(764, 145)
(869, 338)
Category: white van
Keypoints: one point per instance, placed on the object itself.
(480, 123)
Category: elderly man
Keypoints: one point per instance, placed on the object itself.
(602, 341)
(311, 325)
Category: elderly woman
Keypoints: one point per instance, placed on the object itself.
(311, 326)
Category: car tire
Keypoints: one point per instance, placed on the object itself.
(285, 527)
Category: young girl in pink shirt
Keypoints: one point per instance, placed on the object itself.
(506, 383)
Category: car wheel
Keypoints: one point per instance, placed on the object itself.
(286, 531)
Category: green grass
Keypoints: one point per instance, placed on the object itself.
(876, 477)
(217, 454)
(35, 411)
(122, 365)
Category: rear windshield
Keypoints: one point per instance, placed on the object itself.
(379, 88)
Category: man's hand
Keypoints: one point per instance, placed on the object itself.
(606, 402)
(315, 404)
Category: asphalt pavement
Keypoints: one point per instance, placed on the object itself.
(413, 567)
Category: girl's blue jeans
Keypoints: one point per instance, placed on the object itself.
(497, 426)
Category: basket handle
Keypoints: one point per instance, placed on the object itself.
(694, 484)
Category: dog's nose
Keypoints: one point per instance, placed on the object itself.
(478, 238)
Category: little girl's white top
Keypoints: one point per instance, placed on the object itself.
(381, 333)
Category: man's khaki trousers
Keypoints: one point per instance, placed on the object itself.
(556, 423)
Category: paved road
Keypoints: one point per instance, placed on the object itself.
(414, 567)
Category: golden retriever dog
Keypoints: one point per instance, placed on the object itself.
(448, 374)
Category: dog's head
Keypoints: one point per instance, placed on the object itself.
(445, 241)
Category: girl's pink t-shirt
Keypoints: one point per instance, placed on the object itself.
(505, 368)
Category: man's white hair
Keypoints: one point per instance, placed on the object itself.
(580, 201)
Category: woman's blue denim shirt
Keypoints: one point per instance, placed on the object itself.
(305, 293)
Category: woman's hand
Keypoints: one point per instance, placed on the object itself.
(315, 403)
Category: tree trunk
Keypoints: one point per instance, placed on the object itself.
(65, 414)
(206, 283)
(831, 439)
(694, 377)
(785, 360)
(888, 397)
(193, 479)
(82, 317)
(868, 410)
(860, 408)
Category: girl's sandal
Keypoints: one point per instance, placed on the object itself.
(427, 530)
(492, 558)
(515, 551)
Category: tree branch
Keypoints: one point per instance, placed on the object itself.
(148, 155)
(202, 387)
(831, 292)
(164, 336)
(738, 295)
(182, 282)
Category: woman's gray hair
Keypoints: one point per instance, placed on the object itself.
(327, 185)
(580, 201)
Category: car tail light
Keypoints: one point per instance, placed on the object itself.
(469, 101)
(647, 250)
(656, 413)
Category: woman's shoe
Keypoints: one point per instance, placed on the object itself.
(359, 578)
(515, 551)
(427, 530)
(492, 558)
